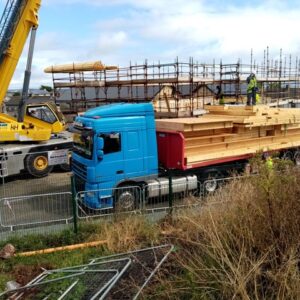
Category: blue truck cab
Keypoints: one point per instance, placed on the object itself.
(114, 145)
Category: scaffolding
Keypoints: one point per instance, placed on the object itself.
(179, 88)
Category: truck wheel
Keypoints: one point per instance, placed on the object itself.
(297, 158)
(37, 165)
(287, 155)
(126, 199)
(212, 183)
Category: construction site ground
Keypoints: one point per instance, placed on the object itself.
(27, 202)
(22, 185)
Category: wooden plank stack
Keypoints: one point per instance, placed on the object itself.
(79, 67)
(236, 130)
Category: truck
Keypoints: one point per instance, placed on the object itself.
(121, 153)
(117, 148)
(36, 140)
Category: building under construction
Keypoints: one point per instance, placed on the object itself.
(175, 89)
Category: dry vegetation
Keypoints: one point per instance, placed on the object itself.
(243, 244)
(126, 233)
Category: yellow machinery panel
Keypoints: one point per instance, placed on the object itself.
(28, 19)
(40, 120)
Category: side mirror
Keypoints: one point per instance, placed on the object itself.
(100, 143)
(100, 154)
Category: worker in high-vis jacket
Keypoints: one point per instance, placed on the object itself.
(269, 163)
(251, 89)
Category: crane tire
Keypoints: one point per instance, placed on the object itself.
(37, 165)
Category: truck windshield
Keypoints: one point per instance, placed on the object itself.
(83, 143)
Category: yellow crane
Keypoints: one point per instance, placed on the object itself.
(36, 122)
(36, 140)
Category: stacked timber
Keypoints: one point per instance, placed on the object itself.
(228, 131)
(79, 67)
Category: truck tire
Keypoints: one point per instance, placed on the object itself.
(297, 158)
(287, 155)
(126, 199)
(37, 165)
(211, 184)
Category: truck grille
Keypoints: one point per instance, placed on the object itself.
(79, 169)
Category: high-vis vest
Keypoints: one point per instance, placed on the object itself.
(251, 85)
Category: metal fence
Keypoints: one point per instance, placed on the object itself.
(48, 204)
(34, 203)
(135, 199)
(131, 199)
(101, 278)
(35, 210)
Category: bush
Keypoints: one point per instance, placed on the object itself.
(127, 233)
(244, 243)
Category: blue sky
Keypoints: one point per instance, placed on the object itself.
(119, 31)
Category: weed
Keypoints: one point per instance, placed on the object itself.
(242, 244)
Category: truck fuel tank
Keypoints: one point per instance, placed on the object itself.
(160, 186)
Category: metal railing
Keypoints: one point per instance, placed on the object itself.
(120, 200)
(35, 210)
(135, 199)
(48, 204)
(33, 204)
(101, 278)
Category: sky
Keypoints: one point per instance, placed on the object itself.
(119, 31)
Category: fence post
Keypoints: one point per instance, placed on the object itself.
(3, 173)
(74, 204)
(170, 191)
(143, 201)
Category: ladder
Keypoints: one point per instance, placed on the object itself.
(9, 20)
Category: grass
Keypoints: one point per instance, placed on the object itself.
(40, 241)
(123, 234)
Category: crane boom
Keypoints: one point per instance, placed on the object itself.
(38, 132)
(36, 121)
(19, 17)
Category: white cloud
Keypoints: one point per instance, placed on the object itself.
(195, 25)
(108, 43)
(164, 29)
